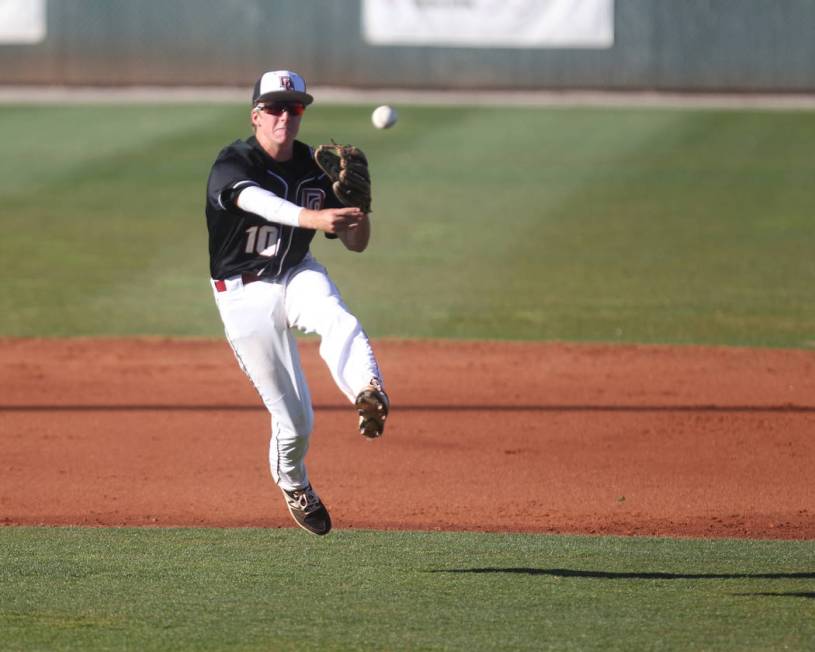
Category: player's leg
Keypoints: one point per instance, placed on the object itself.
(255, 326)
(314, 305)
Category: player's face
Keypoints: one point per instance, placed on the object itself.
(277, 123)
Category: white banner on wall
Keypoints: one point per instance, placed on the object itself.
(22, 21)
(490, 23)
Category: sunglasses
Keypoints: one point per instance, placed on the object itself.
(277, 108)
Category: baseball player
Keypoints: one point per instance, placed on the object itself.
(267, 196)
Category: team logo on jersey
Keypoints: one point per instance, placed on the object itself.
(313, 198)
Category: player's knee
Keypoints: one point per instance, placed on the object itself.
(344, 325)
(303, 422)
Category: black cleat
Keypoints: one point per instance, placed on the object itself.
(308, 510)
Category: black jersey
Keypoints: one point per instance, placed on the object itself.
(242, 242)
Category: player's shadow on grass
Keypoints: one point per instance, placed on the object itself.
(782, 594)
(609, 575)
(638, 575)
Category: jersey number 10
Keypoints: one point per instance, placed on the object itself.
(262, 240)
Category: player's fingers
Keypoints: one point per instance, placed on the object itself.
(349, 211)
(339, 219)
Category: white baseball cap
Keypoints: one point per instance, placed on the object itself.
(281, 86)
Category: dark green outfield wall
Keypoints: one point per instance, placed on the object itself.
(726, 45)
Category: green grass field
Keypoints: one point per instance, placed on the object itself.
(675, 226)
(145, 589)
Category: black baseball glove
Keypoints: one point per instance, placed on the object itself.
(347, 168)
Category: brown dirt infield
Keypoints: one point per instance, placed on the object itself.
(527, 437)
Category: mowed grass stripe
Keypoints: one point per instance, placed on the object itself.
(111, 237)
(247, 589)
(704, 237)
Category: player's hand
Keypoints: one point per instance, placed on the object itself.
(331, 220)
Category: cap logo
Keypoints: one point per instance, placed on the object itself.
(276, 84)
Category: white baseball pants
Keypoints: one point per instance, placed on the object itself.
(258, 321)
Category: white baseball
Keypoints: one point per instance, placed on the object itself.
(384, 117)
